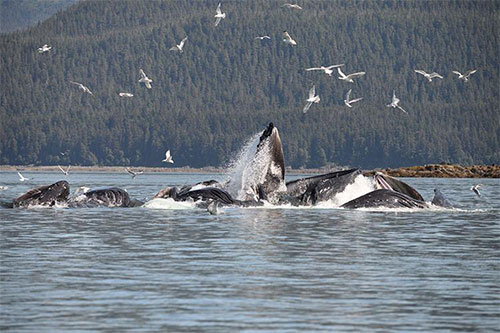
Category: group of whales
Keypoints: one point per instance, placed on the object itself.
(267, 184)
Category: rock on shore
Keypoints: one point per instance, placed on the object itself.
(443, 171)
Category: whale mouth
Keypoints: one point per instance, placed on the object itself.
(381, 182)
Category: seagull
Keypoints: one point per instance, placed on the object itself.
(465, 76)
(348, 101)
(82, 87)
(66, 172)
(287, 39)
(263, 37)
(219, 15)
(44, 48)
(427, 75)
(349, 78)
(328, 70)
(312, 99)
(144, 79)
(179, 46)
(3, 188)
(125, 94)
(22, 178)
(168, 157)
(475, 188)
(134, 173)
(291, 6)
(395, 101)
(213, 207)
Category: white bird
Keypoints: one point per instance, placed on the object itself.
(428, 76)
(395, 101)
(168, 157)
(328, 70)
(475, 188)
(179, 46)
(219, 15)
(144, 79)
(66, 172)
(213, 207)
(287, 39)
(44, 48)
(125, 94)
(82, 87)
(348, 101)
(22, 178)
(133, 174)
(3, 188)
(312, 99)
(465, 76)
(291, 6)
(263, 37)
(350, 77)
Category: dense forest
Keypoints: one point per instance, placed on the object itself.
(21, 14)
(227, 85)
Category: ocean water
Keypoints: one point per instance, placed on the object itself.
(176, 268)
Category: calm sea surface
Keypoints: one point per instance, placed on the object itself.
(248, 269)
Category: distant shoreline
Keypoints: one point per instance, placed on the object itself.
(428, 171)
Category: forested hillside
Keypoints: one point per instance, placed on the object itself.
(21, 14)
(226, 85)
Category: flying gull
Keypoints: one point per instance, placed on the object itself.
(350, 77)
(328, 70)
(291, 6)
(44, 48)
(168, 157)
(179, 46)
(465, 76)
(22, 178)
(125, 94)
(312, 99)
(428, 76)
(263, 37)
(133, 174)
(82, 87)
(66, 172)
(395, 102)
(348, 101)
(287, 39)
(144, 79)
(219, 15)
(475, 188)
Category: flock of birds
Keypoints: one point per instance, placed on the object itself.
(311, 99)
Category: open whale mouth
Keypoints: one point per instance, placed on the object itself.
(381, 182)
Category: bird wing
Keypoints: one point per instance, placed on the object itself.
(312, 91)
(314, 69)
(419, 71)
(307, 106)
(130, 171)
(218, 10)
(142, 73)
(148, 84)
(181, 45)
(354, 75)
(456, 72)
(471, 72)
(434, 74)
(20, 176)
(217, 21)
(402, 109)
(347, 95)
(61, 169)
(75, 83)
(286, 35)
(355, 100)
(340, 72)
(174, 48)
(334, 66)
(167, 154)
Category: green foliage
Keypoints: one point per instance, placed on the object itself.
(226, 86)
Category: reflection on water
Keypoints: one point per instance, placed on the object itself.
(251, 269)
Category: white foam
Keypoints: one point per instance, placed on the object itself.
(160, 203)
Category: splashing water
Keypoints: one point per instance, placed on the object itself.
(240, 168)
(361, 186)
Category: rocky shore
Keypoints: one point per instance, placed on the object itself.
(443, 171)
(429, 170)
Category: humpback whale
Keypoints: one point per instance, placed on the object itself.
(385, 198)
(108, 197)
(47, 195)
(384, 181)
